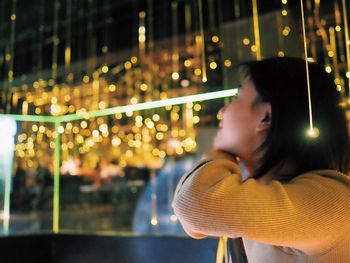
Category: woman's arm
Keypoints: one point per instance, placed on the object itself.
(310, 213)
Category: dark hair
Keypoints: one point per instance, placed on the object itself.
(282, 82)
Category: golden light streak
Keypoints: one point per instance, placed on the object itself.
(347, 42)
(202, 42)
(311, 132)
(256, 30)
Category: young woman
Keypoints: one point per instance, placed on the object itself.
(295, 204)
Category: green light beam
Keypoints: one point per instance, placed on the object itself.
(127, 108)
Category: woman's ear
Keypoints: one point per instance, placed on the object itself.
(265, 117)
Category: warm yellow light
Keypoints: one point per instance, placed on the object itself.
(159, 136)
(182, 133)
(328, 69)
(337, 81)
(155, 151)
(60, 129)
(195, 119)
(179, 151)
(227, 63)
(66, 98)
(284, 12)
(246, 41)
(138, 118)
(150, 124)
(142, 38)
(154, 221)
(155, 117)
(112, 87)
(284, 2)
(37, 110)
(35, 128)
(142, 30)
(69, 126)
(36, 85)
(330, 53)
(197, 72)
(102, 105)
(280, 54)
(197, 107)
(215, 39)
(213, 65)
(129, 113)
(187, 63)
(13, 17)
(175, 75)
(133, 60)
(162, 154)
(53, 100)
(133, 100)
(116, 141)
(104, 69)
(313, 133)
(86, 79)
(348, 74)
(95, 133)
(104, 49)
(143, 87)
(253, 48)
(337, 28)
(118, 115)
(142, 14)
(103, 128)
(339, 88)
(127, 65)
(83, 124)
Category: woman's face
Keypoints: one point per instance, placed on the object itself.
(244, 123)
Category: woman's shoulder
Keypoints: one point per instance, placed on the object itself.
(325, 175)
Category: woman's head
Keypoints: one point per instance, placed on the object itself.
(280, 83)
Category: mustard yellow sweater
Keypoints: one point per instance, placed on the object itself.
(304, 220)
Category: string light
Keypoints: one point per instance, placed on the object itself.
(312, 132)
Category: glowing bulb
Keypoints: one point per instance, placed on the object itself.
(175, 75)
(280, 53)
(227, 63)
(127, 65)
(197, 72)
(154, 221)
(313, 133)
(215, 39)
(187, 63)
(246, 41)
(328, 69)
(60, 129)
(213, 65)
(105, 69)
(112, 88)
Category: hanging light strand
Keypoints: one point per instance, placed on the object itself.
(256, 30)
(347, 44)
(10, 54)
(311, 131)
(202, 41)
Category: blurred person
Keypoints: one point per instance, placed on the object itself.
(294, 205)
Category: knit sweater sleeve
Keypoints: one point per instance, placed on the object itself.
(310, 213)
